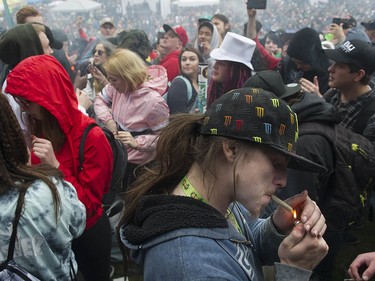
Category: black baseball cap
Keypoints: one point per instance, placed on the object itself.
(356, 52)
(272, 81)
(258, 116)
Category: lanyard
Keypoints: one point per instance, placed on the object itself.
(190, 191)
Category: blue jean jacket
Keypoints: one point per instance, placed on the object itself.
(213, 253)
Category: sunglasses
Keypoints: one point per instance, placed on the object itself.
(100, 52)
(21, 101)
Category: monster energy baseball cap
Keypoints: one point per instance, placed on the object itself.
(257, 116)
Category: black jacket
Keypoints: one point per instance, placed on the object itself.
(314, 147)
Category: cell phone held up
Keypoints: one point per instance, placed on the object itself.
(336, 21)
(257, 4)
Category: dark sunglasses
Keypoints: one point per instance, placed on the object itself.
(100, 52)
(21, 101)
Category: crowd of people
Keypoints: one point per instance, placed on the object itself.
(213, 113)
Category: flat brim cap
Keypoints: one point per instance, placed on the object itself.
(257, 116)
(339, 55)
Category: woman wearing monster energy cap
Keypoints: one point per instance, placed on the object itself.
(194, 214)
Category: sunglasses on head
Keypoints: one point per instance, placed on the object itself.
(100, 52)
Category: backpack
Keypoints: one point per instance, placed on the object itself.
(192, 100)
(112, 203)
(354, 171)
(9, 269)
(120, 159)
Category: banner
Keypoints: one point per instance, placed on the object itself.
(203, 84)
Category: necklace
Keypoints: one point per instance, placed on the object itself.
(190, 191)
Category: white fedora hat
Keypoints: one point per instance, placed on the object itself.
(235, 48)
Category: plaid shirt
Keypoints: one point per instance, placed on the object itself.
(348, 112)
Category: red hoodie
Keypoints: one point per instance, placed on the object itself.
(42, 80)
(170, 63)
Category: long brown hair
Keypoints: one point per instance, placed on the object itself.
(47, 128)
(179, 145)
(238, 74)
(15, 173)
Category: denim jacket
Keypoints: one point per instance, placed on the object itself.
(180, 238)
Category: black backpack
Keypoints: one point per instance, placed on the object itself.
(113, 205)
(120, 159)
(354, 173)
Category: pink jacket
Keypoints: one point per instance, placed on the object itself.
(139, 111)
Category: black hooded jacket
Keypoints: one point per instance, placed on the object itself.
(306, 46)
(18, 43)
(314, 147)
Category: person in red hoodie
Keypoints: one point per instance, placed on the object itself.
(174, 39)
(42, 88)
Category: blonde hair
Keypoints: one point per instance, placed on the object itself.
(127, 65)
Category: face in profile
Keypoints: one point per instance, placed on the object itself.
(169, 43)
(31, 108)
(220, 25)
(220, 71)
(45, 43)
(259, 173)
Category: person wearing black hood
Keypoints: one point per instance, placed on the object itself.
(16, 44)
(316, 147)
(305, 60)
(23, 41)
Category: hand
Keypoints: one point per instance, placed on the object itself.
(205, 47)
(337, 31)
(251, 12)
(80, 82)
(97, 74)
(112, 126)
(127, 139)
(83, 99)
(73, 59)
(301, 249)
(310, 87)
(43, 149)
(251, 24)
(307, 212)
(366, 260)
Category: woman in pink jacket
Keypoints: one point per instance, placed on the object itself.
(132, 107)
